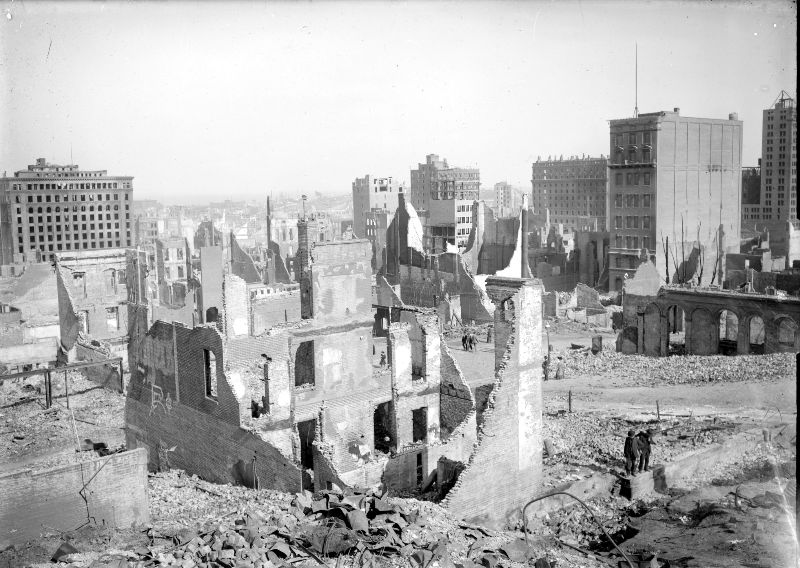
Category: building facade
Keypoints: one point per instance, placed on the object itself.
(443, 198)
(574, 191)
(778, 198)
(51, 208)
(507, 199)
(675, 186)
(372, 193)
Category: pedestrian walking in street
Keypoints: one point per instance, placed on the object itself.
(545, 367)
(645, 441)
(560, 368)
(489, 334)
(473, 341)
(464, 341)
(383, 359)
(631, 452)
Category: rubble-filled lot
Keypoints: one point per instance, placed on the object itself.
(29, 432)
(735, 515)
(596, 440)
(642, 370)
(195, 523)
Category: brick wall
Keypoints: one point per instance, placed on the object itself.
(116, 496)
(341, 281)
(212, 449)
(268, 312)
(505, 469)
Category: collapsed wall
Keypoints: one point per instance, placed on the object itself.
(505, 469)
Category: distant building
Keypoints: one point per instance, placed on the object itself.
(574, 191)
(51, 208)
(778, 198)
(751, 194)
(676, 180)
(443, 198)
(507, 199)
(372, 193)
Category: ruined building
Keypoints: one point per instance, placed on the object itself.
(659, 320)
(304, 404)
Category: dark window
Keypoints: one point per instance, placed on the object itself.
(419, 420)
(304, 364)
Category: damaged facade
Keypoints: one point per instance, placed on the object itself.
(707, 321)
(92, 293)
(304, 405)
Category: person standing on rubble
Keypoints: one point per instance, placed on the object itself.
(545, 366)
(560, 368)
(645, 441)
(631, 453)
(383, 359)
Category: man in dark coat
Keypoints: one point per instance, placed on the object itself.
(546, 366)
(645, 440)
(464, 341)
(631, 453)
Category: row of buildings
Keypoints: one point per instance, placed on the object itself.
(672, 190)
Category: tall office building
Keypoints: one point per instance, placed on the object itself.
(778, 198)
(372, 193)
(574, 191)
(50, 208)
(443, 198)
(507, 199)
(673, 178)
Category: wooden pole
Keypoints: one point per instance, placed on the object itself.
(570, 400)
(66, 388)
(658, 411)
(48, 390)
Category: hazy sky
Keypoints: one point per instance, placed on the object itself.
(211, 100)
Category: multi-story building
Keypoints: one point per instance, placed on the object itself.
(574, 191)
(751, 195)
(507, 199)
(674, 181)
(372, 193)
(50, 208)
(443, 198)
(778, 199)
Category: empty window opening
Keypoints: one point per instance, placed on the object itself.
(210, 368)
(304, 364)
(382, 427)
(83, 318)
(728, 332)
(420, 470)
(419, 420)
(757, 335)
(112, 318)
(306, 431)
(212, 314)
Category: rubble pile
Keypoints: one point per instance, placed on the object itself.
(28, 428)
(197, 523)
(575, 526)
(594, 440)
(689, 369)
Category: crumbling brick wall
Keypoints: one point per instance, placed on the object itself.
(505, 468)
(281, 308)
(116, 496)
(456, 398)
(212, 449)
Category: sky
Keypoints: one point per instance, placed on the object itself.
(203, 101)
